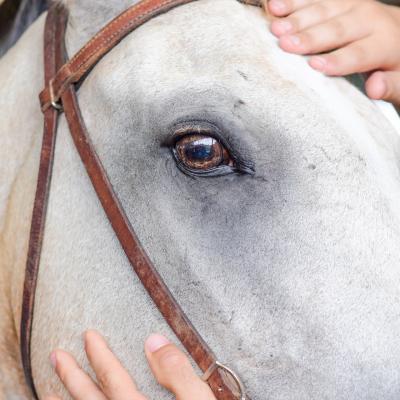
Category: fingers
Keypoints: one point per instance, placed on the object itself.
(356, 57)
(112, 377)
(384, 86)
(75, 380)
(360, 33)
(170, 366)
(281, 8)
(312, 15)
(173, 370)
(330, 35)
(114, 381)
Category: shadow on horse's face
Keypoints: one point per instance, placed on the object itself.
(260, 208)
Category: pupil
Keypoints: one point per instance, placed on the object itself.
(200, 150)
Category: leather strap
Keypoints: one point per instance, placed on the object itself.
(59, 86)
(54, 54)
(75, 69)
(145, 270)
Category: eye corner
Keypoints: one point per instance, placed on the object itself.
(246, 167)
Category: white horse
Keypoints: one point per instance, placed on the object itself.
(291, 273)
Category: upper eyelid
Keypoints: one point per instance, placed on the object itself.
(181, 129)
(202, 127)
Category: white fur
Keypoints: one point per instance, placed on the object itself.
(291, 276)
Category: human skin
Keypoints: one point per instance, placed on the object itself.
(344, 37)
(169, 365)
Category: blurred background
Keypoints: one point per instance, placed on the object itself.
(15, 17)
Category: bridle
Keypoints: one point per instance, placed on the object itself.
(61, 79)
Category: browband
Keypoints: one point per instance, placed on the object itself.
(60, 93)
(104, 41)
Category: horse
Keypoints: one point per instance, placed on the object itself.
(285, 255)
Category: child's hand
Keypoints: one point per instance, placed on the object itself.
(360, 36)
(170, 366)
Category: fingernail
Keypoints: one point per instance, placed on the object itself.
(277, 5)
(318, 63)
(155, 342)
(294, 39)
(53, 359)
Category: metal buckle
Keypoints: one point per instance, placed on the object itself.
(53, 101)
(233, 374)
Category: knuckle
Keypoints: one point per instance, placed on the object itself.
(69, 376)
(336, 63)
(300, 3)
(172, 359)
(295, 5)
(370, 8)
(358, 54)
(308, 40)
(177, 370)
(107, 380)
(62, 372)
(295, 23)
(322, 10)
(291, 5)
(337, 27)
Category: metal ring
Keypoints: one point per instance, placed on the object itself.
(232, 373)
(57, 106)
(53, 101)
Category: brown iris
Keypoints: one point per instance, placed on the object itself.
(199, 152)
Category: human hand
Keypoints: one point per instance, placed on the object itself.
(356, 35)
(169, 365)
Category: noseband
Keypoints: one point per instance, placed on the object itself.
(61, 79)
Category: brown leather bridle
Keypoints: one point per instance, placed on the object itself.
(59, 95)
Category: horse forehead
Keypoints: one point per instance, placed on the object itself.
(202, 43)
(195, 30)
(87, 18)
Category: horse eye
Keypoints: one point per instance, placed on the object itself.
(200, 153)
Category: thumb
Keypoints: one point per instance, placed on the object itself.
(384, 86)
(173, 370)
